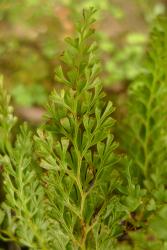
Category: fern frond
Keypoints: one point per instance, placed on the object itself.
(76, 148)
(146, 142)
(24, 195)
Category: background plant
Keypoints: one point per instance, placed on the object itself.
(146, 141)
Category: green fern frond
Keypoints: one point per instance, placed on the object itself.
(147, 113)
(24, 194)
(76, 148)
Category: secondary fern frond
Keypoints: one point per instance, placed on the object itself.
(147, 112)
(24, 195)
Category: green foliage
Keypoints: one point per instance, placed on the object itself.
(24, 195)
(76, 149)
(23, 200)
(147, 112)
(124, 60)
(23, 215)
(28, 96)
(79, 204)
(67, 187)
(145, 142)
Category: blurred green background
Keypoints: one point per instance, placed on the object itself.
(32, 36)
